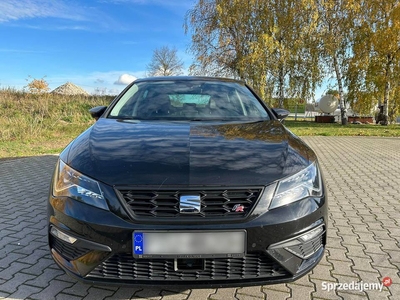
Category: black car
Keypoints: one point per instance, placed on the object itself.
(187, 181)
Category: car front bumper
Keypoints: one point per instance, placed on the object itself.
(282, 245)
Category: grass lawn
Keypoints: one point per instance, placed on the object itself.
(310, 128)
(47, 143)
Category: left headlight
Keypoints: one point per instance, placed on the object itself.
(70, 183)
(306, 183)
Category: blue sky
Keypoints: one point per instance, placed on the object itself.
(90, 43)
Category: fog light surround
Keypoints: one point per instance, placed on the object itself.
(62, 236)
(291, 253)
(309, 235)
(305, 245)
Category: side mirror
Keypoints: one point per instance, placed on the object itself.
(97, 112)
(280, 113)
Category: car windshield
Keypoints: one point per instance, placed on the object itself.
(188, 100)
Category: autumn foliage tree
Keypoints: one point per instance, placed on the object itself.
(335, 31)
(285, 48)
(374, 75)
(37, 86)
(267, 43)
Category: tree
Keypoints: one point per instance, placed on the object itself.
(374, 70)
(37, 86)
(165, 62)
(336, 18)
(284, 48)
(267, 43)
(217, 44)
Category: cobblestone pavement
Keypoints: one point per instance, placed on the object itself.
(363, 179)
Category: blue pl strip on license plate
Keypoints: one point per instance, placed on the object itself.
(138, 242)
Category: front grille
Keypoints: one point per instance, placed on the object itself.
(125, 267)
(307, 249)
(230, 203)
(66, 250)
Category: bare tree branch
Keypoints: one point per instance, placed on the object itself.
(165, 62)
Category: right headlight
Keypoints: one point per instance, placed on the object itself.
(306, 183)
(71, 183)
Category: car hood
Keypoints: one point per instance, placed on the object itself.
(120, 152)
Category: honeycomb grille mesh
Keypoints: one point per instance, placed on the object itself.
(125, 267)
(215, 203)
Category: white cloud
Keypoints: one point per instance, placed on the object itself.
(83, 28)
(125, 79)
(11, 10)
(70, 15)
(20, 51)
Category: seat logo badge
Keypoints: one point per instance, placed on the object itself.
(190, 204)
(238, 208)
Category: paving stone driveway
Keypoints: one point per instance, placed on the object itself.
(363, 179)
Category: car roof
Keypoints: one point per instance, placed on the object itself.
(189, 78)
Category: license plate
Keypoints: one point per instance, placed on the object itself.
(164, 244)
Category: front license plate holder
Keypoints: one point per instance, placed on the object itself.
(189, 244)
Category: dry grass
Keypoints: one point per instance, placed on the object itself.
(45, 123)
